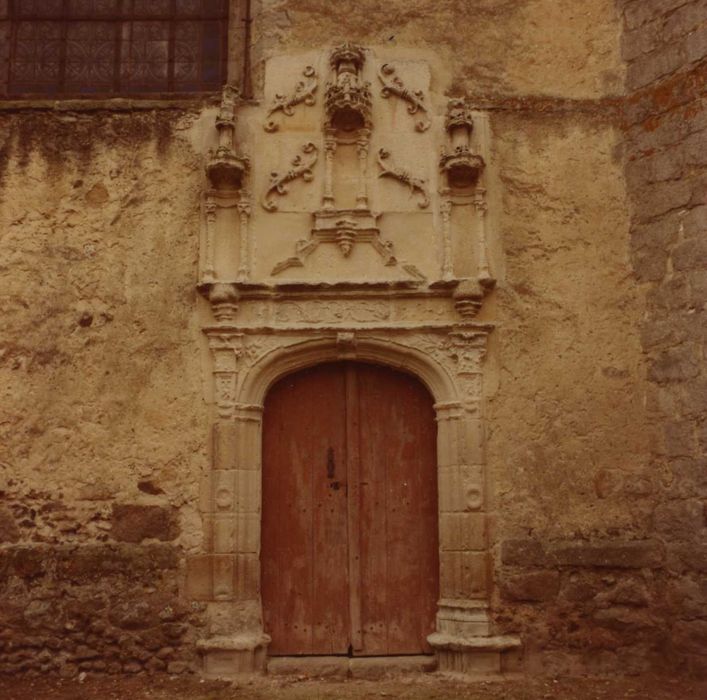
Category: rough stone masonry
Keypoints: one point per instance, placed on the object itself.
(596, 388)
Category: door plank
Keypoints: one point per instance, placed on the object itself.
(304, 559)
(399, 543)
(353, 438)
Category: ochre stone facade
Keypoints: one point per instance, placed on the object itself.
(140, 333)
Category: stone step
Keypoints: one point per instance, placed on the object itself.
(368, 667)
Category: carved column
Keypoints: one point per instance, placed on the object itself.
(244, 237)
(445, 208)
(463, 638)
(228, 575)
(362, 144)
(329, 151)
(209, 273)
(481, 208)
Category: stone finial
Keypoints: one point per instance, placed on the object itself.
(461, 166)
(225, 168)
(347, 57)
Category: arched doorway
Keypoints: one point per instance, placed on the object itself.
(349, 553)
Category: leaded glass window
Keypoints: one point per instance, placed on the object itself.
(108, 47)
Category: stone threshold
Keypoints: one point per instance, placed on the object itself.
(362, 667)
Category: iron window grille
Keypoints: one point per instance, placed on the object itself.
(112, 47)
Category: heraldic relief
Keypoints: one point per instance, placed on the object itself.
(356, 227)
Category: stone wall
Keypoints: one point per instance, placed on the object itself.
(610, 574)
(103, 411)
(101, 428)
(665, 46)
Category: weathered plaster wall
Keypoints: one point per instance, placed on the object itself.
(102, 427)
(103, 422)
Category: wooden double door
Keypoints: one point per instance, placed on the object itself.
(349, 539)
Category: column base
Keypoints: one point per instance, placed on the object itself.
(230, 656)
(484, 655)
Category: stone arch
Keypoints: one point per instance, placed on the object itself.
(286, 359)
(245, 366)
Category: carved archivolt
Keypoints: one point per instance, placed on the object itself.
(393, 85)
(301, 167)
(303, 93)
(416, 184)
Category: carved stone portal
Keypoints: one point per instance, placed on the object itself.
(269, 316)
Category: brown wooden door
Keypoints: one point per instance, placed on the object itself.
(349, 537)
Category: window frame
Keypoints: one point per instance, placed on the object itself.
(233, 21)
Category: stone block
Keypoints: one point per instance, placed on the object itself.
(135, 523)
(94, 562)
(693, 151)
(462, 531)
(696, 44)
(684, 20)
(199, 577)
(375, 668)
(693, 398)
(632, 554)
(661, 197)
(680, 519)
(225, 445)
(526, 553)
(670, 295)
(9, 532)
(679, 438)
(688, 594)
(638, 12)
(533, 586)
(479, 663)
(649, 264)
(309, 666)
(690, 635)
(223, 481)
(463, 574)
(678, 364)
(625, 619)
(691, 254)
(640, 41)
(223, 566)
(246, 576)
(25, 562)
(649, 67)
(682, 557)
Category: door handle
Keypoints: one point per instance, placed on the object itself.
(330, 464)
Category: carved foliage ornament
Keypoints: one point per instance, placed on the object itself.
(301, 167)
(393, 85)
(415, 184)
(303, 93)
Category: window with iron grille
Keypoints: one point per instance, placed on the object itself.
(112, 47)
